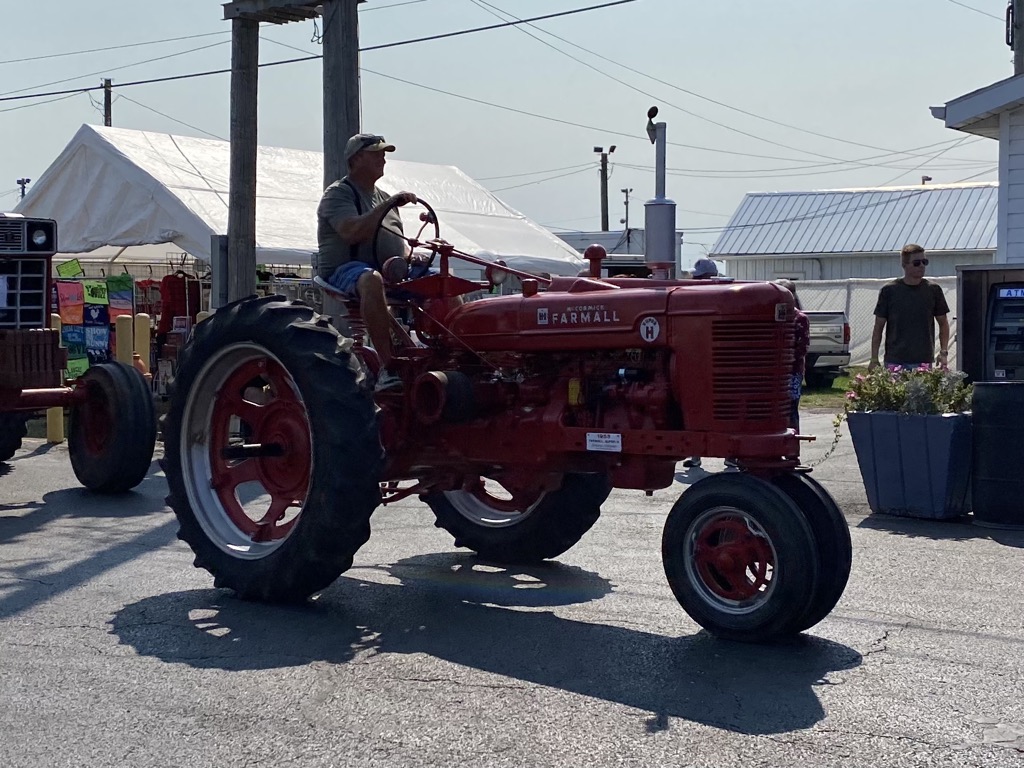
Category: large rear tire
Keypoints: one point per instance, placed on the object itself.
(111, 434)
(549, 526)
(740, 558)
(272, 452)
(13, 427)
(832, 538)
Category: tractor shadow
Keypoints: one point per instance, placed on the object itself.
(441, 606)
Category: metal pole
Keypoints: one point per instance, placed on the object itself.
(604, 191)
(245, 52)
(1014, 8)
(341, 83)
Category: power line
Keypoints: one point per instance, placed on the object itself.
(542, 181)
(534, 173)
(168, 39)
(112, 47)
(116, 69)
(710, 100)
(41, 103)
(311, 57)
(169, 117)
(977, 10)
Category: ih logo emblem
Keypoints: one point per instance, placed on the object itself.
(650, 329)
(542, 315)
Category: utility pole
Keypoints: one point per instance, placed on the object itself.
(23, 183)
(625, 219)
(341, 83)
(604, 184)
(1014, 39)
(107, 101)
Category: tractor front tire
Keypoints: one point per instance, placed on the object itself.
(13, 427)
(112, 432)
(272, 450)
(546, 529)
(741, 558)
(831, 537)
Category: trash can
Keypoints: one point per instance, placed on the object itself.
(997, 454)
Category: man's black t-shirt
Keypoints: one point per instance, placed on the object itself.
(910, 312)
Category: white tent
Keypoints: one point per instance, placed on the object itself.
(119, 187)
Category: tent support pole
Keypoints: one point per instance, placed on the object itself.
(245, 51)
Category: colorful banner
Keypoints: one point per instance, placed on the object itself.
(96, 314)
(95, 291)
(76, 368)
(121, 295)
(71, 301)
(70, 269)
(72, 337)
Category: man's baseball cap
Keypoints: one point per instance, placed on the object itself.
(705, 268)
(370, 142)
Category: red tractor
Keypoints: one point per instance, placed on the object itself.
(518, 416)
(112, 424)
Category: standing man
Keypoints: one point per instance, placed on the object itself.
(908, 310)
(350, 213)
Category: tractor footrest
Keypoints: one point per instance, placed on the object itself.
(31, 359)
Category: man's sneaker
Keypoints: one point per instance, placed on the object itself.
(386, 380)
(693, 461)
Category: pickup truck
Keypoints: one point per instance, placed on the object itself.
(828, 351)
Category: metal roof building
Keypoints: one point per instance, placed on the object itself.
(848, 233)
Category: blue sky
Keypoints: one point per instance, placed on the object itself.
(861, 72)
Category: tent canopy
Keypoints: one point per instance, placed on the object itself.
(119, 187)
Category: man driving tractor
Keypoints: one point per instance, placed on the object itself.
(358, 230)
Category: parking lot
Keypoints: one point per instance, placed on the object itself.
(115, 651)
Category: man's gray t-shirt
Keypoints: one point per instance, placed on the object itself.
(339, 203)
(910, 312)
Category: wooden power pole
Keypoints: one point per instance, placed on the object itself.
(341, 83)
(341, 111)
(108, 117)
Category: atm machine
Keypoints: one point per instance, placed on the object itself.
(990, 322)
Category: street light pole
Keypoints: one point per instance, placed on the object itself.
(604, 184)
(23, 183)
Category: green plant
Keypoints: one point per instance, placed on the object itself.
(921, 390)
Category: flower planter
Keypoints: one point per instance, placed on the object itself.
(914, 465)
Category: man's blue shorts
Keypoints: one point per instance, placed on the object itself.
(347, 275)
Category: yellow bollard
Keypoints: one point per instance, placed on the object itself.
(55, 416)
(124, 344)
(142, 339)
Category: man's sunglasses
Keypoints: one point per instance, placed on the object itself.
(920, 262)
(369, 141)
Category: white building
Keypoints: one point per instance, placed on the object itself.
(858, 233)
(997, 112)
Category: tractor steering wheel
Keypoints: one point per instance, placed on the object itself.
(428, 217)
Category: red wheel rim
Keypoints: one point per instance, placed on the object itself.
(262, 397)
(733, 559)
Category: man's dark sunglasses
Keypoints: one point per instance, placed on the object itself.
(920, 262)
(369, 141)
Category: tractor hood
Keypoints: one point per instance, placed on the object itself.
(583, 313)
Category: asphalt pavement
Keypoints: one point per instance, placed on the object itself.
(115, 651)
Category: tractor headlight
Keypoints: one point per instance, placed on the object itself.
(39, 237)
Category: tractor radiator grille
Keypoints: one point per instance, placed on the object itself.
(752, 361)
(31, 359)
(12, 236)
(22, 292)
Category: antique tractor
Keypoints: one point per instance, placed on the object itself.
(518, 416)
(112, 421)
